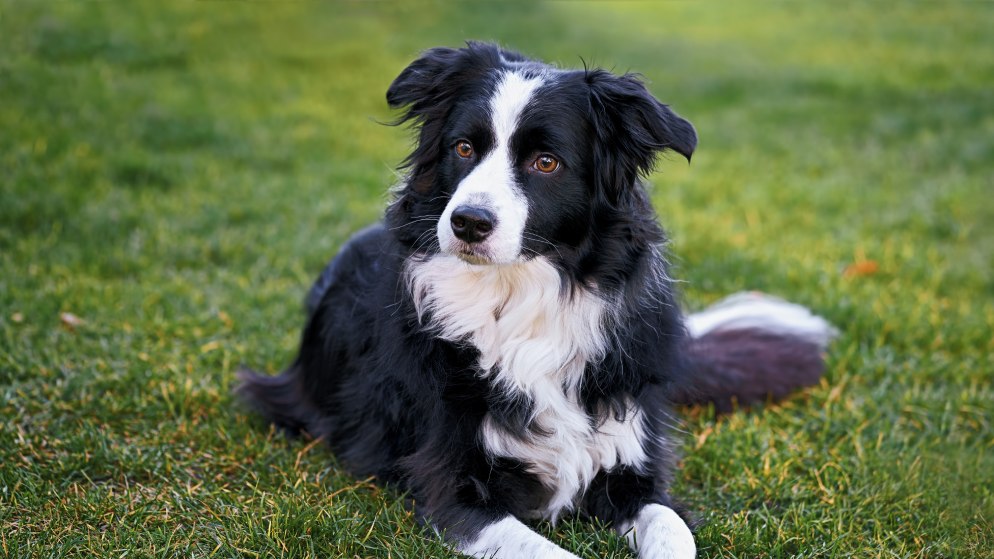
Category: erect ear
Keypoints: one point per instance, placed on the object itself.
(632, 127)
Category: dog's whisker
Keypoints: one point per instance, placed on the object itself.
(415, 222)
(543, 240)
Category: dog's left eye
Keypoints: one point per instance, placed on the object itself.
(545, 163)
(464, 149)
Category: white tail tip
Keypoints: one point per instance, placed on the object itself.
(755, 310)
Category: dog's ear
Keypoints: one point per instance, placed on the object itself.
(430, 84)
(429, 87)
(425, 83)
(632, 127)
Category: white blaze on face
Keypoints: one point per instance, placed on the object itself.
(492, 184)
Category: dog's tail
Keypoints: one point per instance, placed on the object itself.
(278, 399)
(751, 347)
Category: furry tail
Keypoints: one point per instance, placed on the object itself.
(752, 347)
(277, 399)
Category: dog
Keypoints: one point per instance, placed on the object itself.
(507, 344)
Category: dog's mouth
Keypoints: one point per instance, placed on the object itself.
(483, 253)
(478, 254)
(474, 256)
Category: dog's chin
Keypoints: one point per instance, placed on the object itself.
(475, 259)
(478, 255)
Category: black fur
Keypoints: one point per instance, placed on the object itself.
(739, 367)
(393, 400)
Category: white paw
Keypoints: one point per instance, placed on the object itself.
(510, 539)
(659, 533)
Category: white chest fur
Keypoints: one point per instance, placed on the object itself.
(533, 339)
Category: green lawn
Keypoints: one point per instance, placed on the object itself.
(174, 174)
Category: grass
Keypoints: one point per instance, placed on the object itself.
(174, 174)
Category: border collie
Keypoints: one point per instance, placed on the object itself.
(507, 345)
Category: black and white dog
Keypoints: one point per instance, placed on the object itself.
(508, 344)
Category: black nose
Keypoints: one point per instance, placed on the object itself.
(472, 223)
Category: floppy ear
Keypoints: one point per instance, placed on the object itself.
(424, 82)
(432, 82)
(632, 127)
(428, 88)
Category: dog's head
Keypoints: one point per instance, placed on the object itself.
(516, 158)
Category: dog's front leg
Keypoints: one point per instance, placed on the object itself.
(472, 500)
(509, 538)
(658, 532)
(637, 504)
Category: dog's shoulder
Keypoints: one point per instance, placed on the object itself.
(362, 261)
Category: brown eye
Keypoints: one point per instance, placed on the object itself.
(546, 163)
(464, 149)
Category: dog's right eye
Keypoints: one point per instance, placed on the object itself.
(464, 149)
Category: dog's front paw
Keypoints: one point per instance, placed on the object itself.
(659, 533)
(510, 539)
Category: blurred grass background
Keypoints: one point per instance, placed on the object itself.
(175, 174)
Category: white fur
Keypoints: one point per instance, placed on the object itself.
(510, 539)
(534, 339)
(763, 312)
(659, 533)
(492, 183)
